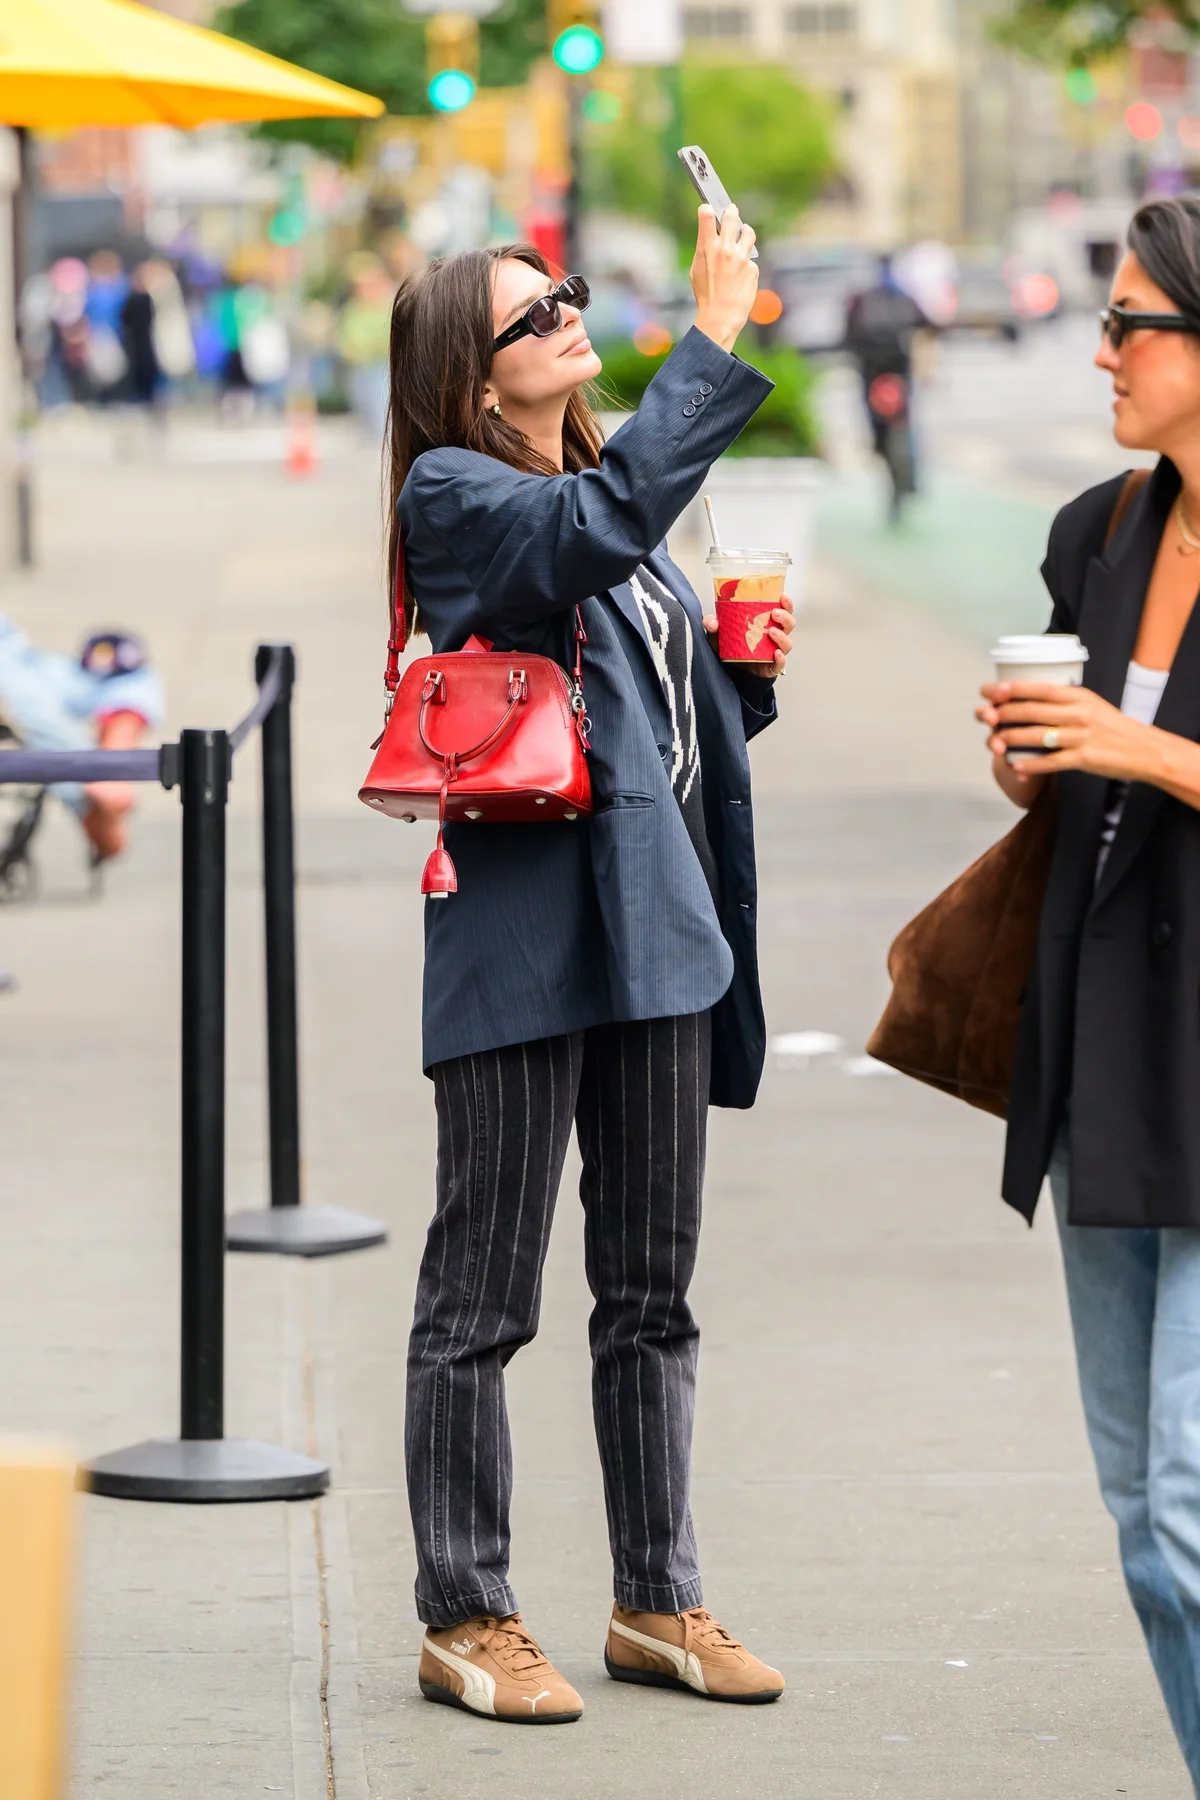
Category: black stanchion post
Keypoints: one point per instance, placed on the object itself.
(204, 778)
(286, 1227)
(202, 1464)
(279, 905)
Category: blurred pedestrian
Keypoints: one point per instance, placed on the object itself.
(108, 288)
(1104, 1091)
(598, 974)
(137, 339)
(173, 344)
(362, 341)
(880, 327)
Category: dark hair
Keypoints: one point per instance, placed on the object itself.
(1164, 235)
(439, 362)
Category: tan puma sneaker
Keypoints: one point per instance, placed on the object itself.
(492, 1666)
(687, 1650)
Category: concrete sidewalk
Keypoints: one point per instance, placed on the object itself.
(893, 1495)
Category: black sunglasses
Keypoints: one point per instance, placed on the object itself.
(1116, 323)
(544, 317)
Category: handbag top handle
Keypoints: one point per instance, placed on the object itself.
(398, 638)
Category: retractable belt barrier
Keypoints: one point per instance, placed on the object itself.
(202, 1464)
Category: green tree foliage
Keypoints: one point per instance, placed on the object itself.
(373, 45)
(376, 46)
(509, 40)
(769, 138)
(1078, 32)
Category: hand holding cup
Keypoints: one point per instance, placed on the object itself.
(753, 621)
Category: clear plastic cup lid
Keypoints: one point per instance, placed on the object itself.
(775, 559)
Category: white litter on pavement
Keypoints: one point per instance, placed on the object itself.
(797, 1049)
(865, 1065)
(807, 1043)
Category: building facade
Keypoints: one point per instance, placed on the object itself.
(942, 134)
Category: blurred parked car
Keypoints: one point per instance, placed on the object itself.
(985, 302)
(816, 285)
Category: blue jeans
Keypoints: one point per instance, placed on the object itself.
(1135, 1311)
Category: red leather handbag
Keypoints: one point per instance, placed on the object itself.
(489, 736)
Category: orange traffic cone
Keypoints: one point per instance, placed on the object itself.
(301, 445)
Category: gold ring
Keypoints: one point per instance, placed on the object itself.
(1050, 738)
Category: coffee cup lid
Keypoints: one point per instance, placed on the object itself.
(1041, 647)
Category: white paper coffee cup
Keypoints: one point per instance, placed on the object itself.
(1054, 656)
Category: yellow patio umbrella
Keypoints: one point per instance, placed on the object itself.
(69, 63)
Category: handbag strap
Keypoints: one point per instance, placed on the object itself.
(1134, 482)
(398, 638)
(398, 635)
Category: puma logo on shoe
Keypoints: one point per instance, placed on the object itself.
(495, 1667)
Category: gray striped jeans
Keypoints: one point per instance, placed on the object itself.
(638, 1097)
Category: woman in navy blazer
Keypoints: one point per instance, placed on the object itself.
(599, 974)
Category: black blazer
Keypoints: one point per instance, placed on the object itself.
(1111, 1022)
(558, 927)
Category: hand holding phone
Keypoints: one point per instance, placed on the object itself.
(723, 275)
(708, 183)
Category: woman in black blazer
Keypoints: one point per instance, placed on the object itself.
(1106, 1086)
(600, 973)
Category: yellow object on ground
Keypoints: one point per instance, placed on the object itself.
(68, 63)
(37, 1498)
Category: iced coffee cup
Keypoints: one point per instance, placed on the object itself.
(747, 585)
(1056, 657)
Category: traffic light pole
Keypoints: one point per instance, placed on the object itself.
(571, 234)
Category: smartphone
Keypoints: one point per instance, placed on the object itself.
(707, 183)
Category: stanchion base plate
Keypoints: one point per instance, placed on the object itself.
(302, 1231)
(204, 1470)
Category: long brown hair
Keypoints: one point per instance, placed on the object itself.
(439, 362)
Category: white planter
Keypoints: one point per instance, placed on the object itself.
(766, 503)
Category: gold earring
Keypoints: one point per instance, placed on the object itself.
(496, 410)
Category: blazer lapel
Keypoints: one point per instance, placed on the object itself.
(622, 598)
(677, 583)
(1179, 708)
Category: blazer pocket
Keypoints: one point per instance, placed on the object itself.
(616, 802)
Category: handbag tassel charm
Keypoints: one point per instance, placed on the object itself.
(439, 879)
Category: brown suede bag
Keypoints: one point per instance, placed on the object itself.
(960, 969)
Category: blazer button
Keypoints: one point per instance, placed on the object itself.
(689, 411)
(1161, 935)
(706, 388)
(697, 399)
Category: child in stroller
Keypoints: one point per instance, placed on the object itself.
(106, 698)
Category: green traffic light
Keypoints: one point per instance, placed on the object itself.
(601, 107)
(578, 49)
(451, 90)
(286, 229)
(1081, 86)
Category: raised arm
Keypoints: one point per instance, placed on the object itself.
(532, 545)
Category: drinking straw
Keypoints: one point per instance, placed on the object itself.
(712, 522)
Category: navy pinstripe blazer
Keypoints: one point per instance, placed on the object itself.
(558, 927)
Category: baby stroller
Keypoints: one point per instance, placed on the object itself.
(21, 811)
(53, 702)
